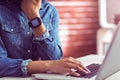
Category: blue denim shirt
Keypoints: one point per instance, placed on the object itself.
(17, 44)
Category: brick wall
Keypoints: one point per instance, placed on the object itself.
(78, 26)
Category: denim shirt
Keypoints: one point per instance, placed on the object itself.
(17, 44)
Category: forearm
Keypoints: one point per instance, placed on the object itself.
(63, 66)
(39, 30)
(38, 67)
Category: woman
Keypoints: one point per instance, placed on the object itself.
(29, 41)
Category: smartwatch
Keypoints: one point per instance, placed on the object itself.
(35, 22)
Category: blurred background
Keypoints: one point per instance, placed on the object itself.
(82, 30)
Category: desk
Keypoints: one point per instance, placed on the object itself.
(86, 60)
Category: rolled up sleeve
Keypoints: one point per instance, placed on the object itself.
(42, 37)
(24, 67)
(50, 48)
(9, 66)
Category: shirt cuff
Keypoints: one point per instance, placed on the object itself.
(24, 67)
(42, 37)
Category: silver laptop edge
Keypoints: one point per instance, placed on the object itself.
(110, 64)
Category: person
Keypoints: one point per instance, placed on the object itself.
(29, 40)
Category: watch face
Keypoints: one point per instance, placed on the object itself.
(36, 22)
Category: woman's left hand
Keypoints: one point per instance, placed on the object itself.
(31, 8)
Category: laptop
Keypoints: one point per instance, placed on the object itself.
(109, 66)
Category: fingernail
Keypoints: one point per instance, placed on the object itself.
(78, 74)
(88, 71)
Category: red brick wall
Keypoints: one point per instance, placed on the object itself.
(78, 26)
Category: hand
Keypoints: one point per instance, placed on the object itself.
(31, 8)
(67, 65)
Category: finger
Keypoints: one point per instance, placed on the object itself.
(83, 67)
(76, 67)
(73, 72)
(37, 1)
(69, 71)
(86, 70)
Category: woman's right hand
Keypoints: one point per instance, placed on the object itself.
(63, 66)
(67, 66)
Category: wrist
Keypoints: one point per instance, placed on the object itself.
(38, 67)
(34, 15)
(37, 26)
(51, 66)
(39, 30)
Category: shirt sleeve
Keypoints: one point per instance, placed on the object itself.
(42, 37)
(24, 67)
(9, 66)
(50, 48)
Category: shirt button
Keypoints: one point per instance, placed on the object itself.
(11, 30)
(29, 51)
(28, 32)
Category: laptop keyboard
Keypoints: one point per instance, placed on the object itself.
(93, 68)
